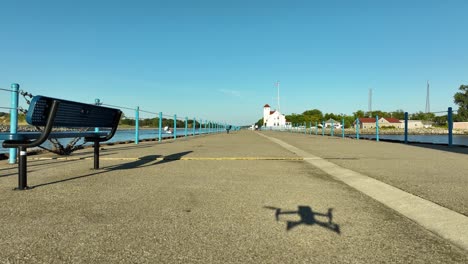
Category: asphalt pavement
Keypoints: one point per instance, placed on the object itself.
(223, 198)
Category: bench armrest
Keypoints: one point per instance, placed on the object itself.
(44, 135)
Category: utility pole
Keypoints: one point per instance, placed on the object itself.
(277, 86)
(428, 105)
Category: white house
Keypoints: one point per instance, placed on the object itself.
(331, 122)
(369, 122)
(273, 118)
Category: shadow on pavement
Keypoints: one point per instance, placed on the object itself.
(141, 162)
(307, 217)
(454, 149)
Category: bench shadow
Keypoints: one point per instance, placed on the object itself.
(307, 217)
(145, 161)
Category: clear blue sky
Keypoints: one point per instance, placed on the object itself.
(219, 60)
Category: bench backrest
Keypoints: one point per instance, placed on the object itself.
(71, 114)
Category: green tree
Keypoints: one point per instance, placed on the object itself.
(398, 114)
(359, 113)
(461, 99)
(259, 122)
(423, 116)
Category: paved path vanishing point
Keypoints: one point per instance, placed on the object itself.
(244, 197)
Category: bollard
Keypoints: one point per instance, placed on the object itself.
(450, 126)
(14, 119)
(137, 123)
(406, 127)
(186, 126)
(376, 128)
(175, 126)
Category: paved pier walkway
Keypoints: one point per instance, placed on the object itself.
(243, 197)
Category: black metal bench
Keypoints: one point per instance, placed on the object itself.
(49, 112)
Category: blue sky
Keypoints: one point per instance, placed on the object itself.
(219, 60)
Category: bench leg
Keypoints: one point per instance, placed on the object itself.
(22, 169)
(96, 155)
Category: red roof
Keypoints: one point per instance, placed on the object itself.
(366, 120)
(392, 120)
(271, 112)
(266, 105)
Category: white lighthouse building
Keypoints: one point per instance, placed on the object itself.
(273, 119)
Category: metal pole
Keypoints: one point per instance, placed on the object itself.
(14, 119)
(96, 154)
(450, 126)
(342, 127)
(137, 124)
(160, 127)
(22, 169)
(316, 128)
(406, 127)
(193, 126)
(97, 102)
(376, 128)
(323, 128)
(186, 126)
(332, 130)
(175, 126)
(357, 128)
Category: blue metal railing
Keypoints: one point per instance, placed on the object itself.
(395, 135)
(205, 126)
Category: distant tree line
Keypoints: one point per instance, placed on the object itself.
(146, 122)
(154, 122)
(315, 115)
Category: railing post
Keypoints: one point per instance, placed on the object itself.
(200, 129)
(323, 128)
(376, 128)
(357, 128)
(186, 126)
(194, 126)
(406, 127)
(310, 128)
(332, 130)
(175, 126)
(14, 119)
(137, 124)
(316, 128)
(450, 126)
(160, 127)
(342, 127)
(97, 102)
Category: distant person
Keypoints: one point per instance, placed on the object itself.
(228, 128)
